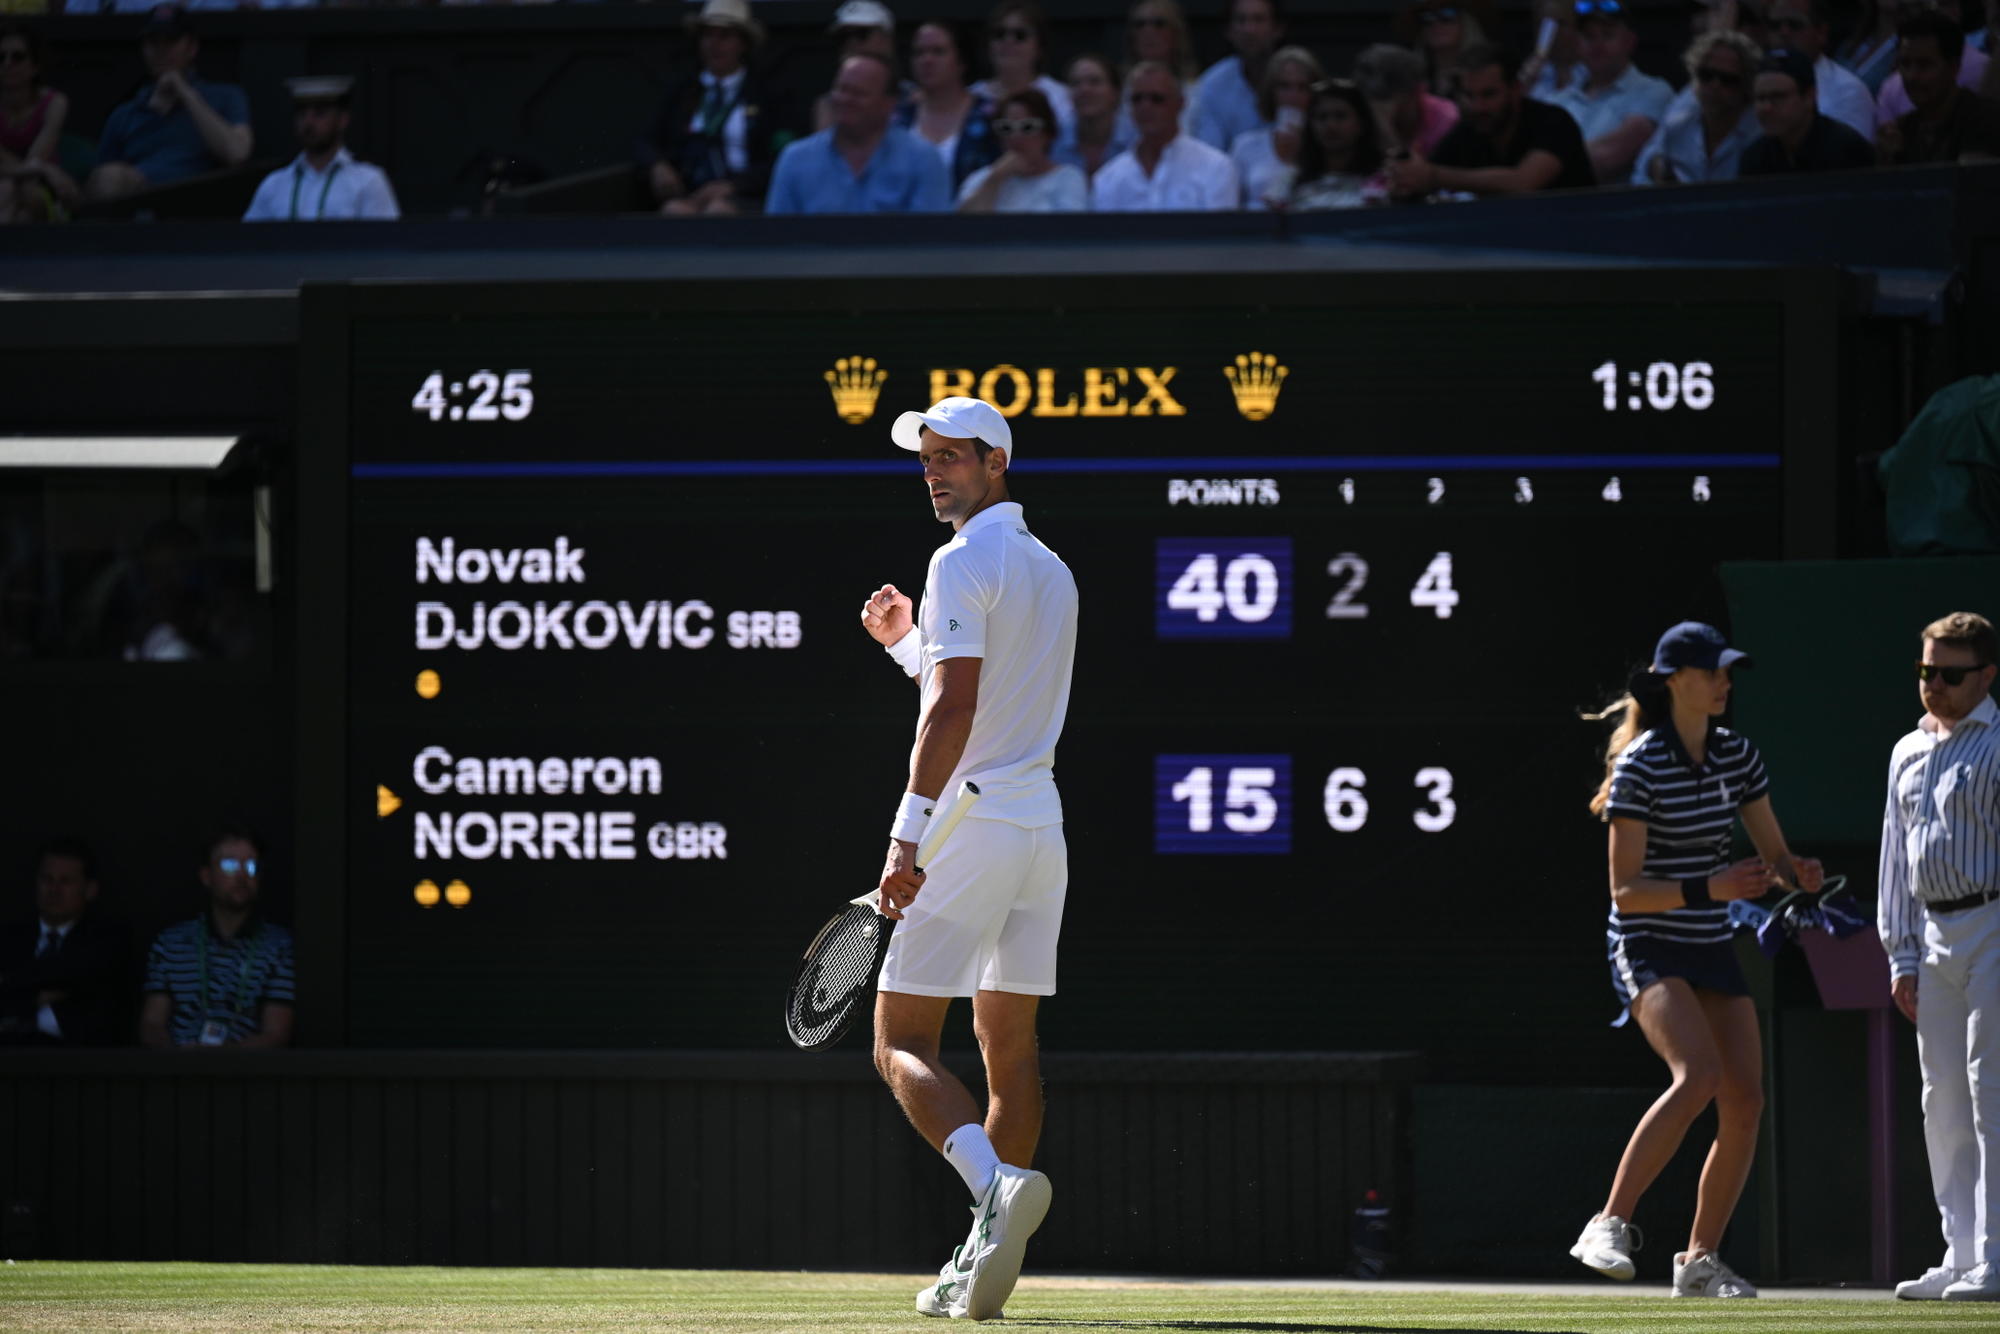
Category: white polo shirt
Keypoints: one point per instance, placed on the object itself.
(994, 592)
(1190, 176)
(347, 190)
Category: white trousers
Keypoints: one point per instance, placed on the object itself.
(1958, 1046)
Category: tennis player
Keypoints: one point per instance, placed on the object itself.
(1674, 786)
(991, 652)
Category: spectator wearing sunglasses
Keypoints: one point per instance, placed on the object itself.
(1156, 30)
(1797, 136)
(1225, 98)
(1340, 163)
(1617, 106)
(1102, 128)
(1165, 171)
(1938, 912)
(861, 163)
(1705, 142)
(1408, 116)
(1025, 179)
(944, 113)
(1800, 25)
(225, 978)
(1267, 161)
(1949, 123)
(1506, 144)
(859, 28)
(1895, 102)
(1438, 32)
(1017, 37)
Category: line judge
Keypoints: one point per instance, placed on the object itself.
(991, 651)
(324, 183)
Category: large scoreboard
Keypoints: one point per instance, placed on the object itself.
(1352, 553)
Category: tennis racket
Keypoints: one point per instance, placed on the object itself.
(844, 959)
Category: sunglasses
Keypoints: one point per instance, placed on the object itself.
(237, 865)
(1013, 34)
(1438, 16)
(1602, 8)
(855, 34)
(1025, 125)
(1156, 99)
(1709, 74)
(1149, 21)
(1953, 676)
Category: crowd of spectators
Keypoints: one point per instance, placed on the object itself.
(1444, 112)
(222, 978)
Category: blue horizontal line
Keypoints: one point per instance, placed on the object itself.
(1232, 465)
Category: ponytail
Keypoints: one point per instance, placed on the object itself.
(1639, 710)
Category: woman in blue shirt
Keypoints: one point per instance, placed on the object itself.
(1675, 784)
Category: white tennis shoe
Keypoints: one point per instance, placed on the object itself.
(945, 1299)
(1003, 1220)
(1981, 1283)
(1929, 1286)
(1707, 1276)
(1607, 1244)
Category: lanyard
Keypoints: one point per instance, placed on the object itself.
(242, 977)
(716, 105)
(298, 179)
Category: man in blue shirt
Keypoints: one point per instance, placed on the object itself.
(861, 163)
(1704, 141)
(175, 127)
(1225, 98)
(1616, 106)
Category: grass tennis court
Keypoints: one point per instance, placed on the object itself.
(303, 1297)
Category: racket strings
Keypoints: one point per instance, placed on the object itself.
(838, 972)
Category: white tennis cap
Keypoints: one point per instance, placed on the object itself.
(957, 417)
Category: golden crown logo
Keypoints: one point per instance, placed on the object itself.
(855, 383)
(1255, 380)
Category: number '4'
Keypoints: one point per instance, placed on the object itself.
(430, 398)
(1434, 588)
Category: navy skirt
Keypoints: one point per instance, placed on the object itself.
(1639, 961)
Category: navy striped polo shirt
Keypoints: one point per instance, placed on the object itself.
(242, 974)
(1689, 811)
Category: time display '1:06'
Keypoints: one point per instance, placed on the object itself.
(483, 396)
(1661, 386)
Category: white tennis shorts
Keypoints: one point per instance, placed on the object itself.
(988, 916)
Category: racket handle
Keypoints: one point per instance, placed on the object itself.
(945, 821)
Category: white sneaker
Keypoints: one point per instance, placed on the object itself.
(1707, 1276)
(1930, 1287)
(1981, 1283)
(1607, 1244)
(1003, 1220)
(945, 1298)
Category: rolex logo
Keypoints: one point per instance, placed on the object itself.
(1255, 380)
(855, 382)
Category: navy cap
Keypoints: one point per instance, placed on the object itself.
(1692, 644)
(1795, 65)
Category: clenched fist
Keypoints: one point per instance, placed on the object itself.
(886, 615)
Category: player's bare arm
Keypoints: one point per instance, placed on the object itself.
(941, 736)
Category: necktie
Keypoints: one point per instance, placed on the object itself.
(714, 109)
(51, 938)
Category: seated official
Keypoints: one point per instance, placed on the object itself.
(720, 128)
(1165, 171)
(225, 978)
(1947, 123)
(175, 127)
(1507, 143)
(1798, 137)
(65, 976)
(324, 183)
(1704, 140)
(861, 163)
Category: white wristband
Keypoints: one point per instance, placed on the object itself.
(906, 653)
(912, 817)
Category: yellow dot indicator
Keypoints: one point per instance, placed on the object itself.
(427, 893)
(428, 684)
(458, 893)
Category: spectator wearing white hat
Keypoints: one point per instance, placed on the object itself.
(862, 163)
(1166, 171)
(859, 28)
(721, 127)
(324, 183)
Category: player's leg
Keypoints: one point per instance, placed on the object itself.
(1677, 1029)
(1739, 1115)
(907, 1029)
(1004, 1023)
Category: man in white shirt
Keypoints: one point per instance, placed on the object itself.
(1225, 97)
(1165, 171)
(324, 183)
(991, 651)
(1800, 25)
(1938, 910)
